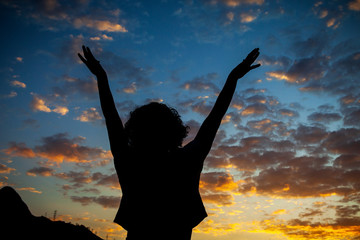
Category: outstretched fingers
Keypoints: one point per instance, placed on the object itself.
(82, 58)
(252, 57)
(254, 66)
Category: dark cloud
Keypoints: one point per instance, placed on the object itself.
(352, 118)
(310, 213)
(348, 161)
(59, 148)
(126, 70)
(288, 112)
(104, 201)
(347, 211)
(324, 117)
(42, 171)
(202, 83)
(31, 123)
(76, 85)
(343, 141)
(111, 181)
(307, 229)
(340, 77)
(307, 69)
(211, 21)
(257, 99)
(255, 109)
(310, 134)
(219, 199)
(216, 163)
(281, 61)
(217, 182)
(84, 178)
(200, 106)
(267, 126)
(312, 46)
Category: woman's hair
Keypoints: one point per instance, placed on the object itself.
(155, 125)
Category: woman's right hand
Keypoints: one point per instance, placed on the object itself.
(93, 65)
(246, 65)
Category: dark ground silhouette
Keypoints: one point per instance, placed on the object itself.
(159, 177)
(17, 222)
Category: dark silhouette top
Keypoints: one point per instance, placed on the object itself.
(159, 178)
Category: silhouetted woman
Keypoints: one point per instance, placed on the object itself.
(159, 178)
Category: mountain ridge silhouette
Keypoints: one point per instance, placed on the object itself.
(17, 222)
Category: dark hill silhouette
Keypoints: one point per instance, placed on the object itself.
(17, 222)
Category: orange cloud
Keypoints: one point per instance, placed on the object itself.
(38, 104)
(30, 189)
(131, 89)
(280, 76)
(19, 150)
(279, 212)
(217, 182)
(61, 110)
(215, 228)
(247, 17)
(297, 229)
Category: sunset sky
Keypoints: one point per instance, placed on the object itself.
(286, 161)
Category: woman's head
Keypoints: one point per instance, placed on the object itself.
(155, 126)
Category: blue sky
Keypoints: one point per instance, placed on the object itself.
(285, 162)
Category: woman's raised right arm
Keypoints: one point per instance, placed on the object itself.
(114, 125)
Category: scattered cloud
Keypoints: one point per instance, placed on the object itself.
(100, 25)
(5, 169)
(247, 17)
(77, 14)
(17, 83)
(102, 37)
(354, 5)
(90, 115)
(39, 104)
(235, 3)
(131, 89)
(61, 110)
(10, 95)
